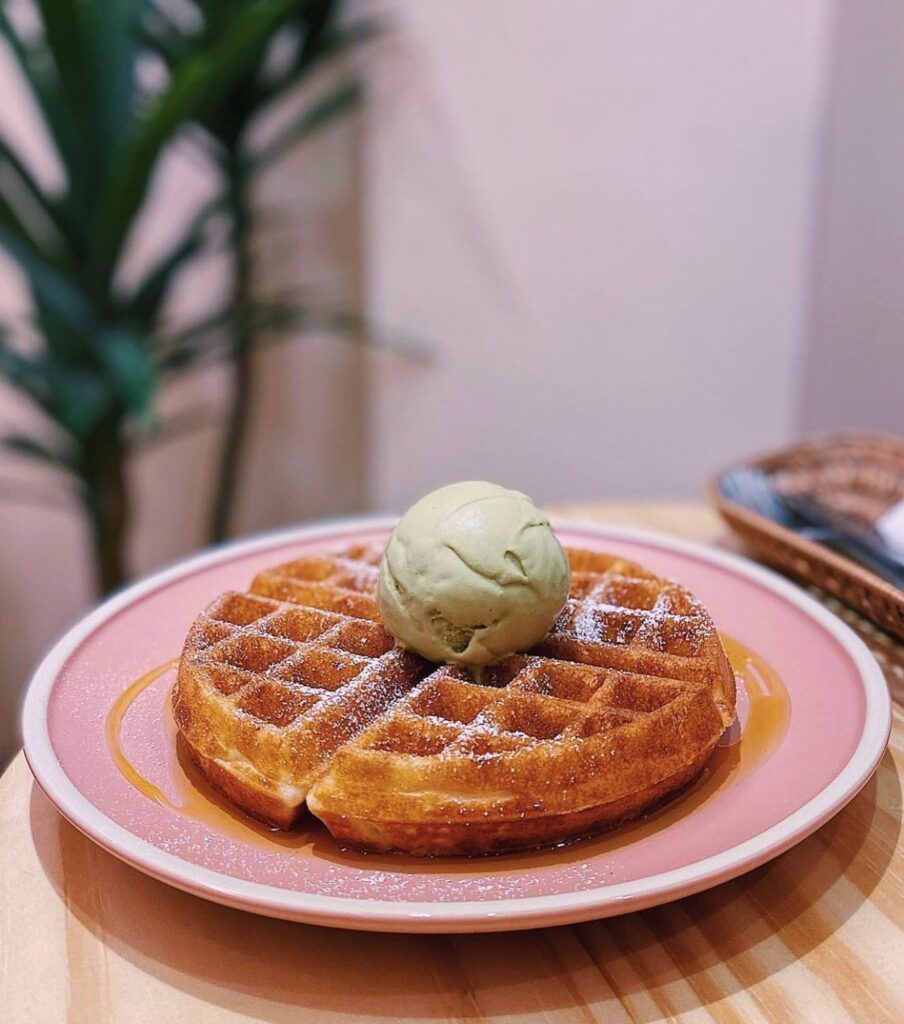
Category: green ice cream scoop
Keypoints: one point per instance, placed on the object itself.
(471, 573)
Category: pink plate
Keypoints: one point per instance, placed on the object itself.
(812, 730)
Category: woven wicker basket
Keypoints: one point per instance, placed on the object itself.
(859, 474)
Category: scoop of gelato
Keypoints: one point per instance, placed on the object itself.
(472, 572)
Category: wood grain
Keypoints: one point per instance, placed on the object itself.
(815, 935)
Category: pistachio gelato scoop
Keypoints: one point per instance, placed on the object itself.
(472, 572)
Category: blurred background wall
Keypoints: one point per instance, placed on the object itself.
(854, 369)
(601, 212)
(639, 240)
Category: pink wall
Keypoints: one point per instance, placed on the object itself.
(854, 373)
(600, 213)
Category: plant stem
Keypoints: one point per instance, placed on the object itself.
(107, 505)
(242, 366)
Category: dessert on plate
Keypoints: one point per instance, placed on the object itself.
(471, 688)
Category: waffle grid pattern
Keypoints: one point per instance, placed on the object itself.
(617, 615)
(277, 662)
(524, 703)
(345, 582)
(308, 698)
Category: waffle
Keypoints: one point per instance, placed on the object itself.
(267, 691)
(295, 693)
(345, 582)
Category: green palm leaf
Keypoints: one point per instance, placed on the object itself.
(22, 444)
(53, 290)
(327, 108)
(102, 347)
(40, 75)
(55, 213)
(195, 83)
(25, 374)
(146, 300)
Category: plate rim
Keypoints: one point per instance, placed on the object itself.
(475, 915)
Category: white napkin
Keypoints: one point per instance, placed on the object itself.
(890, 527)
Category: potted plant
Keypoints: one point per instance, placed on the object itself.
(94, 351)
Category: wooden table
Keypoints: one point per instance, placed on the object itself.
(815, 935)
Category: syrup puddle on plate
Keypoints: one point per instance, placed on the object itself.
(764, 710)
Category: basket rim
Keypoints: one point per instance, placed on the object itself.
(772, 532)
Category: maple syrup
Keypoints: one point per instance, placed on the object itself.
(738, 753)
(114, 743)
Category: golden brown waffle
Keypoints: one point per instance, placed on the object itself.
(267, 691)
(619, 707)
(619, 615)
(626, 708)
(344, 582)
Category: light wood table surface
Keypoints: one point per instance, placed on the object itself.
(815, 935)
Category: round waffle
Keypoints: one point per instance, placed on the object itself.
(295, 693)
